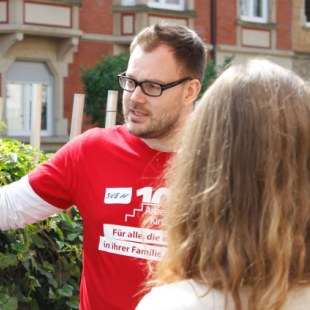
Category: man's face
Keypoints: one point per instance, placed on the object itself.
(154, 117)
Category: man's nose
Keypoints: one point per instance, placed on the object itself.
(138, 95)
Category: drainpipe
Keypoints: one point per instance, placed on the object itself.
(213, 29)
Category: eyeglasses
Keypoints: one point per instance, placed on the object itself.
(148, 88)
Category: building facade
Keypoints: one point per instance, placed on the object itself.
(47, 42)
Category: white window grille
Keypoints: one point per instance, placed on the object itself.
(20, 82)
(177, 5)
(254, 10)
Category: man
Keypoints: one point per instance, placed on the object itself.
(113, 175)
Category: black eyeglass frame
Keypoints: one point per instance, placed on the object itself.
(162, 86)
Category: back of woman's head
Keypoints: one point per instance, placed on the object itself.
(238, 210)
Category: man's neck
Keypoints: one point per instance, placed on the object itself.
(163, 144)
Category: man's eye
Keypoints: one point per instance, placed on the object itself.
(130, 83)
(151, 86)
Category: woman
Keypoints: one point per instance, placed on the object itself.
(238, 210)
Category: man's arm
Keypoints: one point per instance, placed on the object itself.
(20, 205)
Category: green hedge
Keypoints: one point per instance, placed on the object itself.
(40, 265)
(97, 81)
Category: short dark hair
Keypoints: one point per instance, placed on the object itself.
(188, 47)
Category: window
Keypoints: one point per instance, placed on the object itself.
(178, 5)
(307, 12)
(254, 10)
(128, 2)
(3, 11)
(19, 92)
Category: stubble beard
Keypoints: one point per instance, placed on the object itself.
(154, 130)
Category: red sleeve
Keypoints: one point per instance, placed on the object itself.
(55, 180)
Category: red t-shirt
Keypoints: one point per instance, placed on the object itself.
(112, 177)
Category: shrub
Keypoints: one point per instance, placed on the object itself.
(40, 265)
(213, 70)
(98, 80)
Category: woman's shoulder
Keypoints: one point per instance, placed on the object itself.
(192, 295)
(181, 295)
(299, 299)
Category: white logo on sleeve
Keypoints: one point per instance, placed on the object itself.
(120, 195)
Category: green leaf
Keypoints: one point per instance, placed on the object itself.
(8, 260)
(12, 304)
(33, 304)
(65, 291)
(73, 303)
(212, 71)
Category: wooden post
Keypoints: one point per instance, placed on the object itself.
(110, 118)
(1, 109)
(76, 122)
(36, 109)
(77, 115)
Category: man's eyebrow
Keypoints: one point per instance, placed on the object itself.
(145, 80)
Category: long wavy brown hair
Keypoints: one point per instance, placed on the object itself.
(238, 208)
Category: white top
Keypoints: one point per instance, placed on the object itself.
(20, 205)
(190, 295)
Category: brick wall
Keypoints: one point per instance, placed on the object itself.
(202, 20)
(95, 18)
(226, 22)
(284, 24)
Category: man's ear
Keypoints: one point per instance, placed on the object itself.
(192, 91)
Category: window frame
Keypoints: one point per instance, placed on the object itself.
(26, 93)
(250, 17)
(22, 92)
(307, 3)
(162, 4)
(128, 2)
